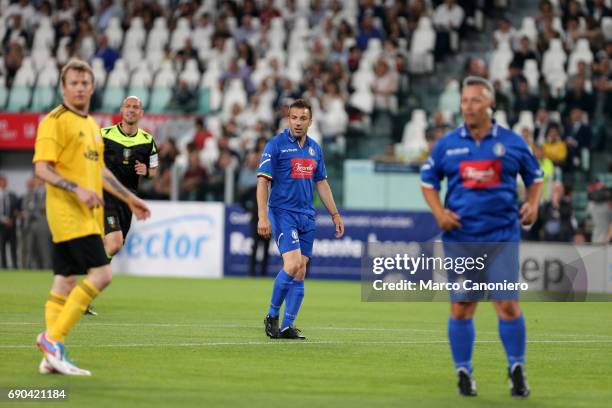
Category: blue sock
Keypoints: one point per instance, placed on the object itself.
(461, 335)
(513, 335)
(294, 301)
(282, 283)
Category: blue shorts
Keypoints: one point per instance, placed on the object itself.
(292, 230)
(501, 268)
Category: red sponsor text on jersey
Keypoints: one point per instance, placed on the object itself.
(303, 168)
(480, 173)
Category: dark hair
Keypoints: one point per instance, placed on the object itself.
(301, 104)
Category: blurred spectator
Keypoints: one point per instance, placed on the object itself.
(504, 33)
(600, 211)
(35, 235)
(9, 209)
(201, 134)
(246, 31)
(524, 100)
(12, 62)
(578, 97)
(367, 31)
(502, 100)
(194, 179)
(184, 98)
(541, 121)
(162, 183)
(448, 16)
(268, 12)
(16, 32)
(598, 10)
(555, 148)
(578, 136)
(106, 11)
(558, 223)
(247, 197)
(524, 53)
(236, 70)
(384, 87)
(106, 53)
(548, 170)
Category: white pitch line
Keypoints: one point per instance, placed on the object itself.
(284, 342)
(246, 326)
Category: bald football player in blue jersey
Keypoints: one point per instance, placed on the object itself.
(481, 161)
(290, 168)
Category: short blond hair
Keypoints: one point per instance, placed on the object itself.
(77, 65)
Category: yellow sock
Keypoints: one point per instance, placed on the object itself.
(76, 303)
(53, 308)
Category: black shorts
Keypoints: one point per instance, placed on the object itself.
(77, 256)
(117, 216)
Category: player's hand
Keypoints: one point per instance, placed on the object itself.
(448, 220)
(141, 168)
(90, 198)
(263, 227)
(337, 219)
(529, 214)
(139, 208)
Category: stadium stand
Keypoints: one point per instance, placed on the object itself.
(382, 68)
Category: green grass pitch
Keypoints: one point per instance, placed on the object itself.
(185, 342)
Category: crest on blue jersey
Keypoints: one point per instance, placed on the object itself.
(311, 151)
(499, 149)
(294, 234)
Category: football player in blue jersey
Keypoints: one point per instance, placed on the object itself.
(481, 161)
(291, 166)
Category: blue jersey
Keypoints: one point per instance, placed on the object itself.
(482, 181)
(293, 171)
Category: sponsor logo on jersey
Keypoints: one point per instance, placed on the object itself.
(91, 154)
(303, 168)
(499, 149)
(480, 173)
(459, 150)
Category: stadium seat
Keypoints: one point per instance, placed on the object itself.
(133, 58)
(606, 27)
(363, 100)
(501, 117)
(40, 58)
(423, 42)
(532, 73)
(191, 74)
(119, 76)
(501, 58)
(363, 79)
(19, 98)
(97, 65)
(49, 76)
(553, 62)
(234, 93)
(158, 37)
(529, 29)
(450, 99)
(134, 36)
(114, 33)
(160, 97)
(581, 52)
(3, 93)
(166, 76)
(44, 98)
(44, 37)
(113, 97)
(181, 33)
(204, 101)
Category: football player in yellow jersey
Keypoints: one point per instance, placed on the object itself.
(69, 157)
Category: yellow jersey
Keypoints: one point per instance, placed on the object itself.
(74, 144)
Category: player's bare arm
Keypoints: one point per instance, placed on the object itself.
(113, 186)
(263, 225)
(529, 210)
(445, 218)
(46, 171)
(327, 198)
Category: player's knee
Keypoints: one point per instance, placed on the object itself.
(462, 310)
(292, 268)
(301, 273)
(101, 277)
(69, 283)
(113, 246)
(508, 310)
